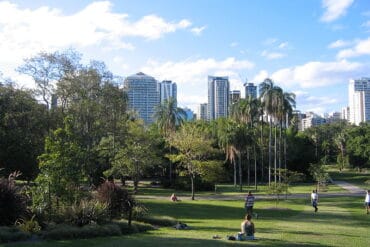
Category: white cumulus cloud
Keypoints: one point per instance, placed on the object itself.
(361, 47)
(334, 9)
(319, 74)
(339, 44)
(198, 30)
(272, 55)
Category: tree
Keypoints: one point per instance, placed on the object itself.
(61, 169)
(23, 127)
(319, 174)
(358, 146)
(48, 68)
(137, 154)
(194, 148)
(168, 116)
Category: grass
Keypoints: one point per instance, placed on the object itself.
(339, 222)
(230, 190)
(352, 176)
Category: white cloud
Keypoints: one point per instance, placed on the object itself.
(334, 9)
(191, 75)
(283, 45)
(272, 55)
(234, 44)
(262, 75)
(366, 24)
(339, 44)
(198, 30)
(362, 47)
(270, 41)
(319, 74)
(24, 32)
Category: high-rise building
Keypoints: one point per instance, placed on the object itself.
(311, 120)
(345, 113)
(218, 97)
(143, 96)
(250, 90)
(189, 114)
(202, 114)
(234, 96)
(167, 89)
(359, 100)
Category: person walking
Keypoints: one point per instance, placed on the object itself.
(314, 199)
(249, 202)
(367, 201)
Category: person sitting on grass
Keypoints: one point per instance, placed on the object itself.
(174, 198)
(247, 228)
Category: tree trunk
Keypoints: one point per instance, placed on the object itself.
(270, 155)
(234, 162)
(192, 187)
(249, 164)
(240, 172)
(255, 167)
(275, 156)
(280, 152)
(262, 152)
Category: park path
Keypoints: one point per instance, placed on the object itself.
(353, 189)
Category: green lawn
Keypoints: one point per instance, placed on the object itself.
(351, 176)
(339, 222)
(229, 190)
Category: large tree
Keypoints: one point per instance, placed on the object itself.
(23, 127)
(194, 148)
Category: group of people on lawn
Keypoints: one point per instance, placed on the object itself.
(247, 226)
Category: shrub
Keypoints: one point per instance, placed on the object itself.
(119, 201)
(8, 234)
(159, 220)
(85, 212)
(139, 211)
(134, 228)
(63, 231)
(13, 205)
(29, 226)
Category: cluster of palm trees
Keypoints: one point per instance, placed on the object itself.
(242, 136)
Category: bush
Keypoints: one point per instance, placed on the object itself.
(184, 183)
(85, 212)
(159, 220)
(139, 211)
(63, 231)
(8, 234)
(118, 200)
(29, 226)
(13, 205)
(134, 228)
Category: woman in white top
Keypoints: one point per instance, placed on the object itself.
(314, 199)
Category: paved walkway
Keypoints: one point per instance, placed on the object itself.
(353, 189)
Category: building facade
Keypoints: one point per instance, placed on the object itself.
(143, 95)
(359, 100)
(167, 89)
(250, 90)
(234, 96)
(218, 97)
(202, 112)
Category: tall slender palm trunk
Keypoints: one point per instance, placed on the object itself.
(275, 155)
(270, 155)
(240, 172)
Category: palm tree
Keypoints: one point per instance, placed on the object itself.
(267, 92)
(168, 116)
(225, 136)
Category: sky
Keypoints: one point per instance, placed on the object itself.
(309, 47)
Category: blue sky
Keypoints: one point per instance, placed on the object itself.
(309, 47)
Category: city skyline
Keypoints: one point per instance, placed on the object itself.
(312, 48)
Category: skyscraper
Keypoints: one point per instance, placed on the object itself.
(167, 89)
(250, 90)
(234, 96)
(218, 97)
(203, 109)
(143, 96)
(359, 100)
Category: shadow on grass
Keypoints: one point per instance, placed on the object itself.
(144, 240)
